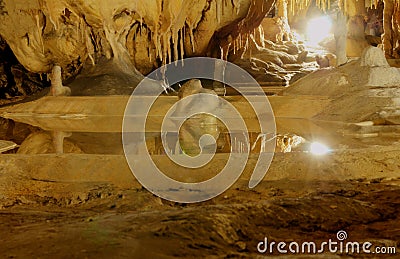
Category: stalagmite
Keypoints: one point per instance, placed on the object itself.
(57, 89)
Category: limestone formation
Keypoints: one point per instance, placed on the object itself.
(56, 88)
(327, 60)
(198, 125)
(373, 57)
(362, 90)
(138, 34)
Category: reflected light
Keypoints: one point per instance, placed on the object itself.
(318, 29)
(318, 149)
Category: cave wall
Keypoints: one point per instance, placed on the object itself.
(15, 80)
(141, 34)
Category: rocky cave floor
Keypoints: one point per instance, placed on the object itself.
(132, 223)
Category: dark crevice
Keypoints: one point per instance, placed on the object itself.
(15, 80)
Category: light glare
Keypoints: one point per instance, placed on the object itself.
(318, 149)
(318, 29)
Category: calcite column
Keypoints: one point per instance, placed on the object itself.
(282, 6)
(391, 27)
(356, 41)
(340, 33)
(396, 31)
(387, 36)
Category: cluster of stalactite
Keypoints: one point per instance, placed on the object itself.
(140, 34)
(145, 34)
(235, 37)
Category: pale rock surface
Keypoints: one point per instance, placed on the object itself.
(379, 72)
(373, 57)
(362, 90)
(56, 88)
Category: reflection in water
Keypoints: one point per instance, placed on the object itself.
(239, 143)
(287, 142)
(7, 146)
(32, 140)
(193, 129)
(58, 141)
(41, 142)
(27, 139)
(263, 141)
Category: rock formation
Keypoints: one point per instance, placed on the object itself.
(142, 34)
(56, 88)
(197, 126)
(15, 80)
(362, 90)
(327, 60)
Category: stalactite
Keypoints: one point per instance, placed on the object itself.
(262, 37)
(182, 41)
(39, 30)
(246, 47)
(164, 49)
(175, 43)
(169, 52)
(89, 47)
(191, 35)
(157, 43)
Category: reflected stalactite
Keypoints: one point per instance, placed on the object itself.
(58, 140)
(41, 142)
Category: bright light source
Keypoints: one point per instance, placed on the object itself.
(318, 29)
(318, 149)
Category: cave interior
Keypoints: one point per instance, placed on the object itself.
(201, 128)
